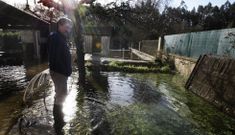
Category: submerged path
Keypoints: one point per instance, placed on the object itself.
(119, 103)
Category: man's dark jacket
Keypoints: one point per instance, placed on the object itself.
(59, 54)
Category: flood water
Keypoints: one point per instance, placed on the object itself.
(13, 80)
(147, 104)
(122, 104)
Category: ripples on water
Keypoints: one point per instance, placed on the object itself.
(15, 78)
(116, 103)
(12, 79)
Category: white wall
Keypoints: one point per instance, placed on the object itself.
(27, 36)
(32, 37)
(105, 41)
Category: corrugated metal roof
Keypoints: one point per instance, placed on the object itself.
(12, 17)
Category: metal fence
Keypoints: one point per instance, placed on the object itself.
(216, 42)
(148, 46)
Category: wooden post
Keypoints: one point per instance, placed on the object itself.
(159, 44)
(123, 53)
(36, 44)
(131, 50)
(139, 45)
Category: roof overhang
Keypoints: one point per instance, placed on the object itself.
(14, 18)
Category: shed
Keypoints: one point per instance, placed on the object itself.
(97, 40)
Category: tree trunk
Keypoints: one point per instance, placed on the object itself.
(79, 40)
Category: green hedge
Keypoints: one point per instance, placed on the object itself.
(9, 34)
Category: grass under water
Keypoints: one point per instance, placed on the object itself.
(138, 104)
(145, 104)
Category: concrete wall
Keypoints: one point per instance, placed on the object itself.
(142, 55)
(27, 36)
(120, 54)
(32, 37)
(187, 47)
(183, 65)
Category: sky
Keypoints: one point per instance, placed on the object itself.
(175, 3)
(190, 3)
(195, 3)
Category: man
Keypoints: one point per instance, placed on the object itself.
(60, 67)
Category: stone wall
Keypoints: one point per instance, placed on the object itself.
(183, 65)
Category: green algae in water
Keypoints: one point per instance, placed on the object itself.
(146, 104)
(141, 119)
(193, 108)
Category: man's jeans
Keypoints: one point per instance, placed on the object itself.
(60, 83)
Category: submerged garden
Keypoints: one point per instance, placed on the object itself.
(112, 91)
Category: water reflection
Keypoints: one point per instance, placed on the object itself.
(69, 107)
(9, 58)
(15, 72)
(139, 104)
(118, 103)
(17, 67)
(12, 79)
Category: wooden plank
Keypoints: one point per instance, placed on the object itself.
(213, 79)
